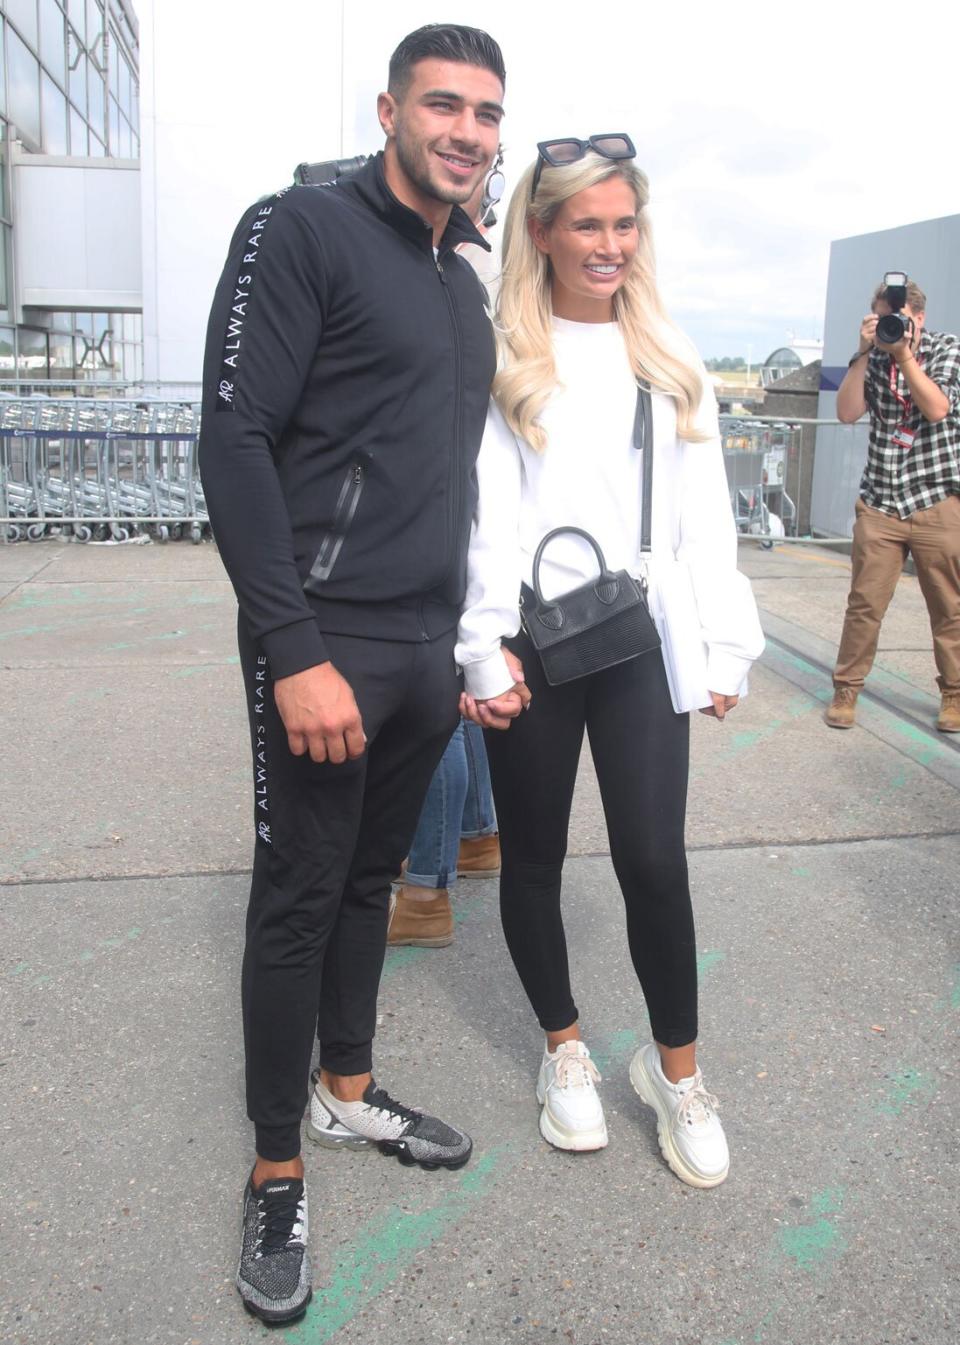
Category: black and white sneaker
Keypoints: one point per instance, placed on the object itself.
(409, 1134)
(326, 1130)
(273, 1276)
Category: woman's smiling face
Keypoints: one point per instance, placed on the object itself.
(591, 243)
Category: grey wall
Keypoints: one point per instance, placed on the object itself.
(930, 254)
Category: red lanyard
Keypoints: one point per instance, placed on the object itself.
(905, 402)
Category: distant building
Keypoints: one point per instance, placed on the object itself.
(70, 271)
(786, 359)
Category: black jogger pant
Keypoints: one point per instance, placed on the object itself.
(329, 839)
(640, 749)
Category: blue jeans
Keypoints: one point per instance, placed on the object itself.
(459, 803)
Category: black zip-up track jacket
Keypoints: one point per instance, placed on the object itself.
(345, 388)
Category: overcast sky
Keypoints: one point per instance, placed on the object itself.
(766, 129)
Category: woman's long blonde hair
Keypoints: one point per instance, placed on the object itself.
(527, 373)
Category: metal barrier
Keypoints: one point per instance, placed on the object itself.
(99, 470)
(769, 465)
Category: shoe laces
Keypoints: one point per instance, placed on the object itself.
(279, 1222)
(696, 1105)
(950, 700)
(575, 1070)
(845, 695)
(380, 1100)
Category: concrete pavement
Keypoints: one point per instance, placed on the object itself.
(823, 866)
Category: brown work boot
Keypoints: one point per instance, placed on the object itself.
(416, 923)
(841, 712)
(479, 857)
(949, 718)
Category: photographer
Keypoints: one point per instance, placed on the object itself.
(908, 379)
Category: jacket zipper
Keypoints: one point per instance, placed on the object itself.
(332, 541)
(457, 414)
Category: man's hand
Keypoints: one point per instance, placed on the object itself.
(868, 332)
(497, 712)
(320, 714)
(721, 704)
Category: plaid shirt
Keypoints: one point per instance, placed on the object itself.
(902, 480)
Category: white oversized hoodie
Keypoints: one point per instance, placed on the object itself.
(589, 476)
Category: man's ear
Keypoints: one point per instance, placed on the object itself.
(387, 113)
(540, 234)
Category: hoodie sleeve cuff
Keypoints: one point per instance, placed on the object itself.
(487, 677)
(291, 649)
(727, 673)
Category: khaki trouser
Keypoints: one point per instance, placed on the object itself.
(881, 543)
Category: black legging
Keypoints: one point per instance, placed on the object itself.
(640, 749)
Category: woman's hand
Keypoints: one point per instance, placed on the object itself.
(497, 711)
(721, 704)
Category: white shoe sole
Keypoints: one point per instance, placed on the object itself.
(647, 1091)
(337, 1139)
(575, 1141)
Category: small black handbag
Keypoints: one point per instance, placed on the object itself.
(605, 621)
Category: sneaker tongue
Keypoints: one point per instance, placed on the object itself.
(281, 1186)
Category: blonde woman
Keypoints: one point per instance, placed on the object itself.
(580, 322)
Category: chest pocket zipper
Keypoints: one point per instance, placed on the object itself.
(330, 546)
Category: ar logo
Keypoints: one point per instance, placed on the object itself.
(263, 831)
(226, 390)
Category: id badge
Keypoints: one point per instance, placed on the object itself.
(903, 438)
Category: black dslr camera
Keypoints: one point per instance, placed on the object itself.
(891, 328)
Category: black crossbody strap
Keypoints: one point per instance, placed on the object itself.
(643, 442)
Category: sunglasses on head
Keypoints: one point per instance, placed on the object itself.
(556, 153)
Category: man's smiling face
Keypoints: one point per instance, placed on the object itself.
(444, 129)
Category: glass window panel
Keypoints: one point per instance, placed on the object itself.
(60, 345)
(32, 353)
(24, 15)
(6, 351)
(53, 40)
(54, 117)
(23, 94)
(124, 98)
(78, 81)
(83, 322)
(78, 133)
(114, 61)
(94, 26)
(95, 99)
(98, 149)
(77, 11)
(3, 65)
(3, 170)
(4, 253)
(114, 128)
(126, 140)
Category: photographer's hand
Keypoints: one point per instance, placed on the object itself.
(868, 332)
(851, 403)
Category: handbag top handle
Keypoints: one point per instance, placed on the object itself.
(642, 440)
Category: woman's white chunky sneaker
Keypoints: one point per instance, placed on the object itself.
(688, 1127)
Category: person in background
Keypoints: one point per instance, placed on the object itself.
(456, 835)
(909, 501)
(581, 322)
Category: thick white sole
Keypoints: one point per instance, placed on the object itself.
(335, 1139)
(574, 1141)
(646, 1090)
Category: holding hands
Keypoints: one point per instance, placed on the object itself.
(497, 711)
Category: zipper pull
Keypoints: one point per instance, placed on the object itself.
(443, 278)
(357, 474)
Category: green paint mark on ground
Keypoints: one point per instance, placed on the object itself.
(20, 968)
(384, 1248)
(908, 1088)
(800, 872)
(618, 1046)
(813, 1244)
(707, 960)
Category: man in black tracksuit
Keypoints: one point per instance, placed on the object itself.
(348, 367)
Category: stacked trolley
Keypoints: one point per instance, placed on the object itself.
(755, 454)
(99, 469)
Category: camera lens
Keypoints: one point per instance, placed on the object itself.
(890, 329)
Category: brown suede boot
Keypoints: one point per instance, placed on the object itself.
(417, 923)
(479, 857)
(841, 712)
(949, 718)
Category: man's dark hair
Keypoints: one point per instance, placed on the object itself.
(444, 42)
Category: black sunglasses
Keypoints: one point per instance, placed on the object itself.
(556, 153)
